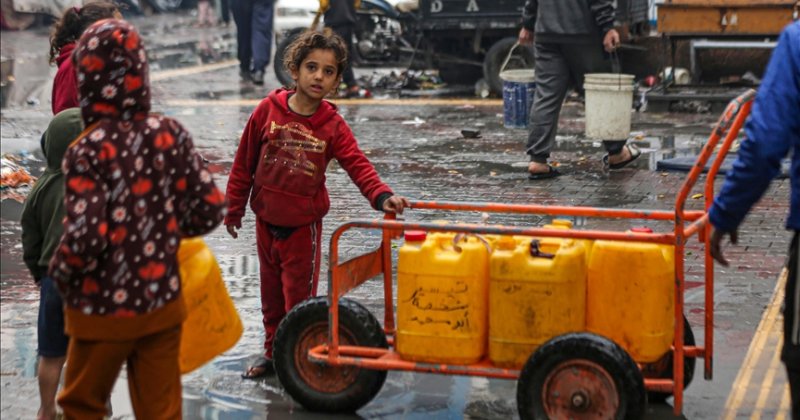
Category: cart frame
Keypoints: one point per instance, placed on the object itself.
(345, 276)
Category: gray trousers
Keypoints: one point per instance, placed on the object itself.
(559, 66)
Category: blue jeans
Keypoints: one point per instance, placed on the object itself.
(253, 33)
(50, 327)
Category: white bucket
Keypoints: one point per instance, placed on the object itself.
(609, 98)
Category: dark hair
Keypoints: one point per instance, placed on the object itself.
(308, 41)
(74, 21)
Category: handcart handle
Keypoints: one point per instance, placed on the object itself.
(728, 127)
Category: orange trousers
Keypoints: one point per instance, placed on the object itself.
(154, 378)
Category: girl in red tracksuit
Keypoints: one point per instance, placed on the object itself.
(280, 167)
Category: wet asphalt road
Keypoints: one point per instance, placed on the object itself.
(418, 150)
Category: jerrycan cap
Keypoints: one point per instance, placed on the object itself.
(415, 235)
(641, 229)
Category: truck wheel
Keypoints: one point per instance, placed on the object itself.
(522, 59)
(317, 386)
(662, 369)
(281, 72)
(580, 375)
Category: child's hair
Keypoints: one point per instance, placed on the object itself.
(308, 41)
(74, 21)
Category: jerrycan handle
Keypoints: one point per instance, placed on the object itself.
(537, 252)
(462, 235)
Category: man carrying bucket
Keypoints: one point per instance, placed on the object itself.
(570, 37)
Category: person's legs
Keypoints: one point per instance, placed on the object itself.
(154, 377)
(224, 11)
(261, 37)
(590, 58)
(272, 303)
(552, 80)
(346, 32)
(242, 16)
(52, 347)
(300, 258)
(791, 327)
(92, 368)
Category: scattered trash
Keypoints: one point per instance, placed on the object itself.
(697, 196)
(415, 121)
(471, 134)
(12, 175)
(482, 89)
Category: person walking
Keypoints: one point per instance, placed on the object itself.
(134, 186)
(568, 38)
(253, 20)
(772, 132)
(341, 18)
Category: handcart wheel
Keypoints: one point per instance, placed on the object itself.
(317, 386)
(580, 376)
(662, 369)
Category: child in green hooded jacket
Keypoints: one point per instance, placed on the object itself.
(42, 218)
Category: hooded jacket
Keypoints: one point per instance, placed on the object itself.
(773, 132)
(134, 187)
(281, 161)
(44, 208)
(65, 84)
(568, 21)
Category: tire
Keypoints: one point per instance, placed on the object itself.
(281, 72)
(580, 375)
(455, 74)
(662, 369)
(523, 58)
(316, 386)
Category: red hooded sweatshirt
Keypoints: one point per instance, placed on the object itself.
(134, 187)
(65, 84)
(281, 161)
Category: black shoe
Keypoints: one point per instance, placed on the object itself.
(258, 77)
(244, 75)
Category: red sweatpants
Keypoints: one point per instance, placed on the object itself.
(289, 272)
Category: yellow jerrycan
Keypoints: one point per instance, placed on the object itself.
(631, 296)
(537, 290)
(212, 324)
(442, 282)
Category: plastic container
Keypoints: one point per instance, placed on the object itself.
(518, 91)
(533, 298)
(609, 99)
(212, 324)
(442, 298)
(630, 296)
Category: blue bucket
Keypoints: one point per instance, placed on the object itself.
(518, 91)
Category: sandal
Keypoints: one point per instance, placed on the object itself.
(551, 173)
(259, 369)
(635, 153)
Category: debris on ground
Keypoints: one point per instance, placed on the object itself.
(409, 79)
(15, 180)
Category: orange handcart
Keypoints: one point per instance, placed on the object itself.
(332, 355)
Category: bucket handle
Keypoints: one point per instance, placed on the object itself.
(508, 57)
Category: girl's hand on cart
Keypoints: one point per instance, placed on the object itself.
(716, 244)
(232, 231)
(395, 204)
